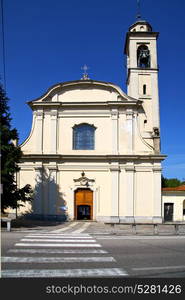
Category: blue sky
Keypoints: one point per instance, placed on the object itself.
(48, 41)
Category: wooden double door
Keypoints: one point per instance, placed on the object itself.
(83, 204)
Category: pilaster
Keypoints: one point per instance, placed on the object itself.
(53, 121)
(129, 126)
(39, 131)
(114, 117)
(52, 190)
(115, 170)
(37, 203)
(157, 200)
(130, 173)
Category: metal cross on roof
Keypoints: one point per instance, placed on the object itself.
(85, 74)
(138, 10)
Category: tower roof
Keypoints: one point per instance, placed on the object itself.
(140, 25)
(140, 28)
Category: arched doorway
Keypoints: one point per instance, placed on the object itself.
(83, 208)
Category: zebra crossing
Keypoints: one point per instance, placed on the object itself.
(66, 254)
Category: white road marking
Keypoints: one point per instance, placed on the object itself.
(83, 228)
(65, 228)
(58, 240)
(12, 259)
(138, 237)
(58, 236)
(58, 251)
(103, 272)
(56, 245)
(158, 268)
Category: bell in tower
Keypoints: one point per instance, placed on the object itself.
(143, 57)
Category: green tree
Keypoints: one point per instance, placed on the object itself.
(171, 182)
(10, 156)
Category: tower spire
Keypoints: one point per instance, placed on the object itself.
(138, 16)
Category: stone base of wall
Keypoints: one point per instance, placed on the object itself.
(130, 220)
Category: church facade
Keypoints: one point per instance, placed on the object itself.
(93, 152)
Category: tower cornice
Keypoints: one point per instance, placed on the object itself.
(138, 34)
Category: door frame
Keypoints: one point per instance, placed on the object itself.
(96, 199)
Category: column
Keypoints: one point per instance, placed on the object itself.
(114, 117)
(53, 120)
(52, 190)
(115, 169)
(157, 200)
(37, 203)
(39, 131)
(129, 128)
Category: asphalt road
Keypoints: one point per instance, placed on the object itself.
(74, 251)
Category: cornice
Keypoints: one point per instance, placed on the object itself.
(108, 104)
(110, 157)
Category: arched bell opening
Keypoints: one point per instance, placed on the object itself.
(143, 57)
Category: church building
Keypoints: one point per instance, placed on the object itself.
(93, 152)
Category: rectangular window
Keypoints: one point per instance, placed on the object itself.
(83, 137)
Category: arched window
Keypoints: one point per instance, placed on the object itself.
(143, 57)
(83, 137)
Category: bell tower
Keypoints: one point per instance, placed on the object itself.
(142, 72)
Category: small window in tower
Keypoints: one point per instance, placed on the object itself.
(143, 57)
(142, 28)
(144, 89)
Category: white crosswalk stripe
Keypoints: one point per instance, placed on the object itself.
(65, 228)
(80, 247)
(100, 272)
(83, 228)
(58, 236)
(56, 245)
(58, 251)
(10, 259)
(57, 240)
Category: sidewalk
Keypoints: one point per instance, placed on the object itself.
(97, 228)
(137, 229)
